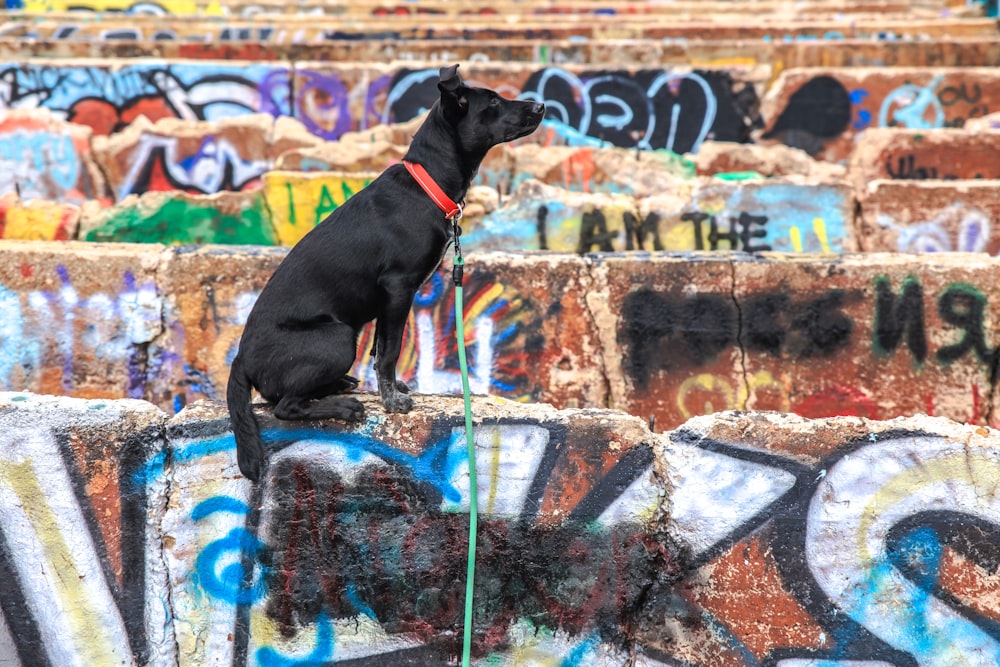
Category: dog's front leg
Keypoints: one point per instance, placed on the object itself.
(389, 340)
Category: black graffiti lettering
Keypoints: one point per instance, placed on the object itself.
(594, 231)
(649, 227)
(696, 217)
(715, 235)
(666, 332)
(964, 306)
(950, 95)
(824, 326)
(541, 220)
(741, 234)
(708, 324)
(907, 169)
(895, 317)
(763, 329)
(751, 227)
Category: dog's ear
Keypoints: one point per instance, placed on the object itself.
(453, 99)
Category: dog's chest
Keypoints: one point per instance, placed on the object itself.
(449, 238)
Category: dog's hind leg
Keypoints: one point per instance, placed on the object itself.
(328, 407)
(315, 364)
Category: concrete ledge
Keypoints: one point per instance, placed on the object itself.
(125, 537)
(853, 99)
(661, 335)
(782, 50)
(930, 216)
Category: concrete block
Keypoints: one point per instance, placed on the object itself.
(587, 169)
(871, 335)
(665, 322)
(719, 157)
(542, 217)
(789, 518)
(79, 538)
(528, 328)
(178, 217)
(199, 157)
(79, 319)
(342, 156)
(107, 95)
(694, 214)
(130, 539)
(930, 216)
(42, 157)
(754, 215)
(208, 294)
(354, 545)
(822, 110)
(984, 123)
(298, 201)
(917, 155)
(37, 219)
(915, 337)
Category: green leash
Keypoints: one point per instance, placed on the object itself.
(457, 274)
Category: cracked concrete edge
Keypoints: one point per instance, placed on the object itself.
(605, 324)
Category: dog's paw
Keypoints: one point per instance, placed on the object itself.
(354, 410)
(345, 384)
(398, 403)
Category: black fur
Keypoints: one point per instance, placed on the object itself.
(364, 262)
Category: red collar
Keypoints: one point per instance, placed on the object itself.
(433, 190)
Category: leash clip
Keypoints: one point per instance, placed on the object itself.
(458, 268)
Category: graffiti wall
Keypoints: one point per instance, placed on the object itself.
(862, 543)
(81, 325)
(702, 214)
(736, 540)
(330, 101)
(666, 337)
(867, 335)
(938, 217)
(74, 532)
(822, 112)
(43, 158)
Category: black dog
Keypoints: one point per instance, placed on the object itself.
(364, 262)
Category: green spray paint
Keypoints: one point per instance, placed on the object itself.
(181, 221)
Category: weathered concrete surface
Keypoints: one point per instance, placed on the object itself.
(734, 539)
(332, 99)
(659, 335)
(822, 110)
(198, 157)
(719, 157)
(690, 214)
(79, 319)
(42, 157)
(821, 534)
(298, 201)
(207, 294)
(906, 154)
(37, 220)
(79, 538)
(930, 216)
(871, 335)
(724, 25)
(832, 49)
(175, 217)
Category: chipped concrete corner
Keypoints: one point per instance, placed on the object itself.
(739, 538)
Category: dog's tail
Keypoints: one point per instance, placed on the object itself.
(249, 450)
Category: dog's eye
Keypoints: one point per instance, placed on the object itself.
(494, 101)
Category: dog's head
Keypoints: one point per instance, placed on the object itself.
(483, 118)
